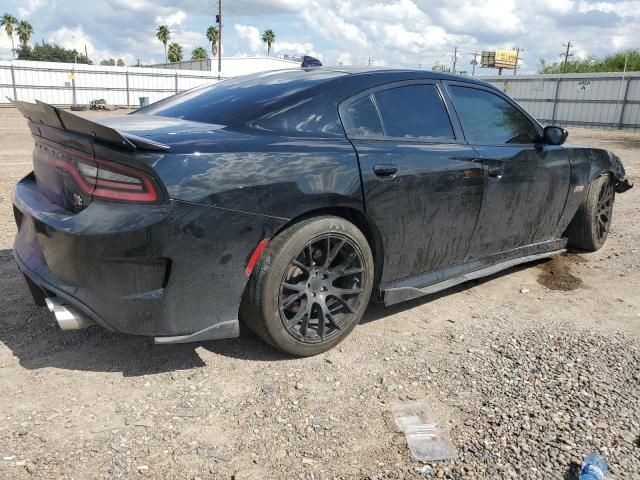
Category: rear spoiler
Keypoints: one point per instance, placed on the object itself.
(44, 114)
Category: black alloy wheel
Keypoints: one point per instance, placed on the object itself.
(591, 223)
(321, 288)
(604, 210)
(311, 286)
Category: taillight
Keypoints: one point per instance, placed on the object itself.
(103, 179)
(117, 182)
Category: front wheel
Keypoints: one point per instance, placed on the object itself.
(590, 226)
(311, 286)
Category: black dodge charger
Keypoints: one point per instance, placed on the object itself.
(285, 200)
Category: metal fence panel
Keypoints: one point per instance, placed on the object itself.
(599, 100)
(67, 84)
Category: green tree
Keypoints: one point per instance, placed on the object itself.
(120, 62)
(108, 63)
(213, 37)
(175, 52)
(199, 53)
(269, 38)
(46, 52)
(164, 34)
(24, 30)
(611, 63)
(8, 22)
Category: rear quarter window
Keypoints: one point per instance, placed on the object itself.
(361, 118)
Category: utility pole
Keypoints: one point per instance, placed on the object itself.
(455, 59)
(474, 62)
(219, 38)
(566, 54)
(369, 61)
(518, 50)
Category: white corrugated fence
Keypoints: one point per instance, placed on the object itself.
(596, 100)
(66, 84)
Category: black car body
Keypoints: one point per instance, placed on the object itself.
(203, 180)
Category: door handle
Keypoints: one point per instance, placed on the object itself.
(387, 170)
(495, 172)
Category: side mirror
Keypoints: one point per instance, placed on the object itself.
(555, 135)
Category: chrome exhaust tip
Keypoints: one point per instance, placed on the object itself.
(68, 318)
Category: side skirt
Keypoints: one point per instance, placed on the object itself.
(228, 329)
(446, 277)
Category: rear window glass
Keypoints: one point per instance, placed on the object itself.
(361, 118)
(414, 111)
(238, 100)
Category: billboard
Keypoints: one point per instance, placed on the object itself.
(499, 59)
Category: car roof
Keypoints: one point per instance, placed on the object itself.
(380, 74)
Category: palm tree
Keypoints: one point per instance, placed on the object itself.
(8, 21)
(163, 34)
(24, 30)
(269, 38)
(175, 52)
(213, 37)
(199, 53)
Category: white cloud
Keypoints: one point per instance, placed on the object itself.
(624, 8)
(172, 20)
(251, 35)
(488, 15)
(29, 8)
(324, 20)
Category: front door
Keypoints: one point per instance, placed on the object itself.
(526, 183)
(422, 184)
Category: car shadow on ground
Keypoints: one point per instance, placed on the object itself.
(36, 341)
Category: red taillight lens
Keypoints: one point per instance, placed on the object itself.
(114, 181)
(106, 180)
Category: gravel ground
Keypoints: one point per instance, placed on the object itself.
(528, 371)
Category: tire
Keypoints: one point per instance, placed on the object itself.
(336, 292)
(590, 226)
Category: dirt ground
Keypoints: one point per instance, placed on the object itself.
(94, 404)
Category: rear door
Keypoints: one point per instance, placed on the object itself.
(526, 182)
(422, 184)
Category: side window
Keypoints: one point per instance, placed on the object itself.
(414, 111)
(361, 118)
(488, 118)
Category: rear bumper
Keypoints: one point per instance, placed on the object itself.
(174, 270)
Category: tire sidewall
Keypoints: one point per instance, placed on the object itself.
(278, 259)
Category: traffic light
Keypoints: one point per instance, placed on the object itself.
(218, 19)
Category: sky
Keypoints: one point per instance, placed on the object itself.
(394, 33)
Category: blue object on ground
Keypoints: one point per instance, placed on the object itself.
(594, 467)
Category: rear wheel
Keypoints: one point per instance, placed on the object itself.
(590, 225)
(311, 286)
